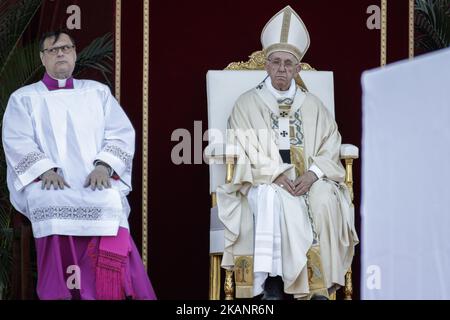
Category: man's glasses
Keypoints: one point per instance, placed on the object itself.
(277, 63)
(54, 51)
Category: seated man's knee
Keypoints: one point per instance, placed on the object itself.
(322, 197)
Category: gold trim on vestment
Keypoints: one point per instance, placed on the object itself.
(285, 26)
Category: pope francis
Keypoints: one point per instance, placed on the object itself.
(287, 195)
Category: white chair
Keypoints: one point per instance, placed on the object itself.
(223, 89)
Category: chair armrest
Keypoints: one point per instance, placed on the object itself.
(221, 153)
(349, 151)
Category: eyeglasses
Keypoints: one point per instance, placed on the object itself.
(277, 63)
(54, 51)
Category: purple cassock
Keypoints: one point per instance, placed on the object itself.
(90, 267)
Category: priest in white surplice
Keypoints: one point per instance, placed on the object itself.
(69, 148)
(287, 193)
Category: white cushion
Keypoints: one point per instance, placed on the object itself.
(349, 151)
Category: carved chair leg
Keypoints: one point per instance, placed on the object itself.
(229, 285)
(214, 277)
(348, 290)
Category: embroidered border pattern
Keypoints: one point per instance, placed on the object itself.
(274, 119)
(297, 122)
(29, 160)
(66, 212)
(121, 154)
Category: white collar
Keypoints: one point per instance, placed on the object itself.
(279, 95)
(61, 82)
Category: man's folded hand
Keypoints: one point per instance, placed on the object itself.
(98, 178)
(50, 178)
(303, 183)
(287, 184)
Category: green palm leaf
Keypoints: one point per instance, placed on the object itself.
(15, 16)
(23, 67)
(6, 235)
(432, 22)
(98, 55)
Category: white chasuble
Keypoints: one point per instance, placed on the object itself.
(259, 164)
(68, 130)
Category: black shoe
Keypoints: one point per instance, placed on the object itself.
(273, 289)
(319, 297)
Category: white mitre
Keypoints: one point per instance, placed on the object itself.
(285, 32)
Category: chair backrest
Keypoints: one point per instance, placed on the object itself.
(225, 86)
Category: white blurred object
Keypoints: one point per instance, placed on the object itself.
(405, 188)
